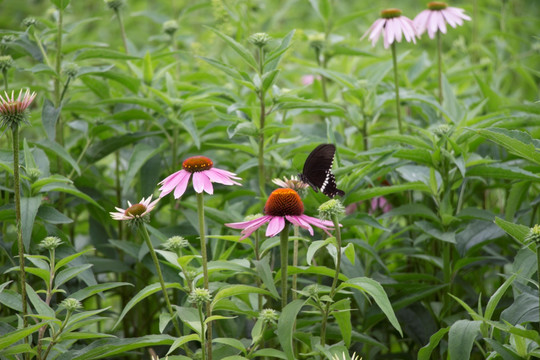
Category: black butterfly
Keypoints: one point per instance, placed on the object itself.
(317, 171)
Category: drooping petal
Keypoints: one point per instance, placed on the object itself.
(182, 186)
(390, 30)
(275, 226)
(296, 220)
(217, 177)
(198, 184)
(247, 224)
(226, 173)
(172, 181)
(207, 184)
(439, 21)
(420, 21)
(409, 29)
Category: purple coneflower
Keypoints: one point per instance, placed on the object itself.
(204, 174)
(135, 211)
(292, 183)
(13, 111)
(435, 17)
(393, 26)
(283, 205)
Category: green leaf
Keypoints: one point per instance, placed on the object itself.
(49, 117)
(11, 338)
(502, 171)
(505, 352)
(67, 274)
(342, 314)
(244, 53)
(68, 189)
(515, 141)
(265, 273)
(11, 299)
(434, 340)
(18, 349)
(269, 79)
(234, 290)
(517, 231)
(349, 252)
(61, 4)
(29, 210)
(190, 317)
(103, 53)
(461, 338)
(52, 216)
(69, 258)
(376, 291)
(141, 154)
(39, 305)
(497, 296)
(272, 353)
(232, 342)
(144, 293)
(56, 148)
(96, 289)
(285, 326)
(273, 58)
(103, 148)
(316, 245)
(148, 69)
(365, 194)
(108, 348)
(182, 340)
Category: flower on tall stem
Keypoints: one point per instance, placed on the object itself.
(204, 174)
(283, 205)
(13, 111)
(393, 27)
(293, 183)
(436, 16)
(135, 212)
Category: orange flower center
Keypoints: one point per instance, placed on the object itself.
(283, 202)
(135, 210)
(197, 163)
(390, 13)
(437, 5)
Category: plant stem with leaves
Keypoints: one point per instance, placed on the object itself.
(326, 313)
(439, 58)
(284, 251)
(396, 84)
(261, 95)
(202, 235)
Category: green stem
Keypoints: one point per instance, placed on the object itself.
(203, 333)
(4, 74)
(17, 191)
(202, 234)
(118, 190)
(538, 278)
(262, 119)
(284, 250)
(58, 100)
(439, 58)
(295, 262)
(396, 82)
(146, 238)
(122, 29)
(55, 336)
(334, 282)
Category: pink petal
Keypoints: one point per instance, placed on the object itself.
(226, 173)
(409, 29)
(218, 177)
(299, 222)
(199, 181)
(171, 181)
(420, 21)
(248, 224)
(390, 30)
(275, 226)
(181, 186)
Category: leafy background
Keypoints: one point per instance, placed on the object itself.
(463, 180)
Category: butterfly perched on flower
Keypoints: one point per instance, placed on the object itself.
(317, 171)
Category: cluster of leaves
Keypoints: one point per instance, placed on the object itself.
(118, 111)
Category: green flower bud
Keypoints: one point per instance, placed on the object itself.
(534, 234)
(170, 27)
(114, 4)
(6, 62)
(71, 304)
(269, 316)
(442, 130)
(71, 70)
(8, 39)
(33, 174)
(29, 21)
(259, 39)
(199, 296)
(176, 243)
(50, 242)
(331, 208)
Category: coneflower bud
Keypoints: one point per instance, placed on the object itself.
(8, 38)
(50, 242)
(268, 316)
(29, 21)
(33, 174)
(114, 4)
(199, 296)
(71, 304)
(331, 208)
(534, 234)
(71, 70)
(176, 243)
(170, 27)
(259, 39)
(6, 62)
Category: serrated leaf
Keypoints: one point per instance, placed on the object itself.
(519, 232)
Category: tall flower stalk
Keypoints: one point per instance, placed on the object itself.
(13, 112)
(393, 27)
(284, 255)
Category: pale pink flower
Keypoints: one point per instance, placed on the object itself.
(14, 110)
(283, 204)
(135, 211)
(309, 79)
(204, 174)
(435, 17)
(393, 27)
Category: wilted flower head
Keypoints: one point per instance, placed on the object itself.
(71, 304)
(283, 204)
(135, 213)
(204, 174)
(114, 4)
(344, 357)
(170, 27)
(269, 316)
(199, 296)
(393, 26)
(330, 208)
(50, 242)
(293, 183)
(259, 39)
(13, 111)
(435, 17)
(176, 243)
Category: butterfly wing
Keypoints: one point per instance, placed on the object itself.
(317, 170)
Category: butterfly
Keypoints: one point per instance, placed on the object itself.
(317, 171)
